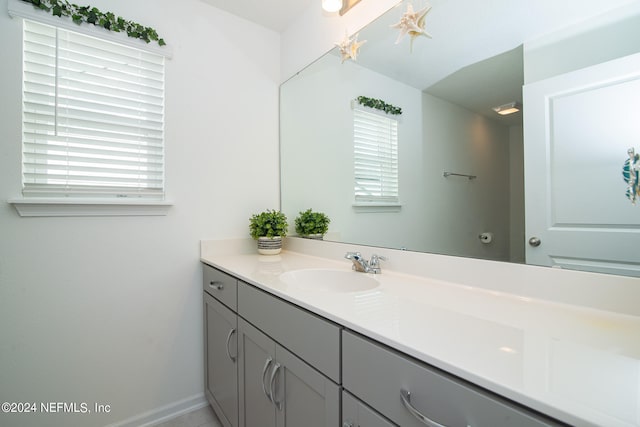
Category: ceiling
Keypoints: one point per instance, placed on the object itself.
(273, 14)
(486, 84)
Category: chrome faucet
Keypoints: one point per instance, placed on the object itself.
(362, 265)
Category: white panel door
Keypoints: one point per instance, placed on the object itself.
(577, 130)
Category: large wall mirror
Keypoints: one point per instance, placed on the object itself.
(480, 56)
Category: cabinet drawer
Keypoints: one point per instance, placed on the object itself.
(356, 413)
(315, 340)
(377, 375)
(221, 286)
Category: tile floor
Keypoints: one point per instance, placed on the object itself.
(203, 417)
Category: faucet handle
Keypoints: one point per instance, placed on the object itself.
(374, 264)
(353, 255)
(375, 260)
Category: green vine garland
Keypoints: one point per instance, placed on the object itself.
(92, 15)
(379, 104)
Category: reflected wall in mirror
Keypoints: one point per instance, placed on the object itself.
(480, 57)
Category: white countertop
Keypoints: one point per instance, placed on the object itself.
(579, 365)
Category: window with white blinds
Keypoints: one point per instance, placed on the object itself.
(375, 158)
(93, 117)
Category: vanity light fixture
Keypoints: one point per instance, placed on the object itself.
(510, 108)
(346, 5)
(342, 6)
(331, 6)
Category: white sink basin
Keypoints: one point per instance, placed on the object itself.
(328, 280)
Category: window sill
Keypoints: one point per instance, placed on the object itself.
(370, 207)
(90, 207)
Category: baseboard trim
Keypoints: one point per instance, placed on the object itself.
(164, 413)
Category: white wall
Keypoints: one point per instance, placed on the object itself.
(109, 309)
(457, 209)
(606, 37)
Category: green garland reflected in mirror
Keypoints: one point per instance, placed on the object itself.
(379, 104)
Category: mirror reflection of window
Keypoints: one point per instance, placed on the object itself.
(375, 149)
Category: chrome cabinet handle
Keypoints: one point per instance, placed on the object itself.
(271, 387)
(264, 386)
(216, 285)
(405, 395)
(231, 332)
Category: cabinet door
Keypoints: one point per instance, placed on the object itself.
(220, 355)
(357, 414)
(303, 396)
(256, 363)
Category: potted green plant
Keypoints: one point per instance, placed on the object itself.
(312, 225)
(268, 228)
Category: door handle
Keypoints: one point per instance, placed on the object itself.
(535, 242)
(231, 332)
(271, 386)
(264, 371)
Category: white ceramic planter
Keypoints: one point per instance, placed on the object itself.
(269, 245)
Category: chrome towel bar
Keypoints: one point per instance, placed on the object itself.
(447, 174)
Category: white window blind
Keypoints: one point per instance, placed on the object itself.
(93, 117)
(375, 158)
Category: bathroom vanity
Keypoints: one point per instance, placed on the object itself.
(282, 348)
(270, 362)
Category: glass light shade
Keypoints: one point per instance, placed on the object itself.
(332, 5)
(506, 109)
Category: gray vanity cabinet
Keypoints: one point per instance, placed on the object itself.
(268, 363)
(221, 353)
(278, 389)
(271, 363)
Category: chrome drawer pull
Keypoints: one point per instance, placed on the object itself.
(231, 332)
(217, 285)
(406, 400)
(271, 387)
(264, 386)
